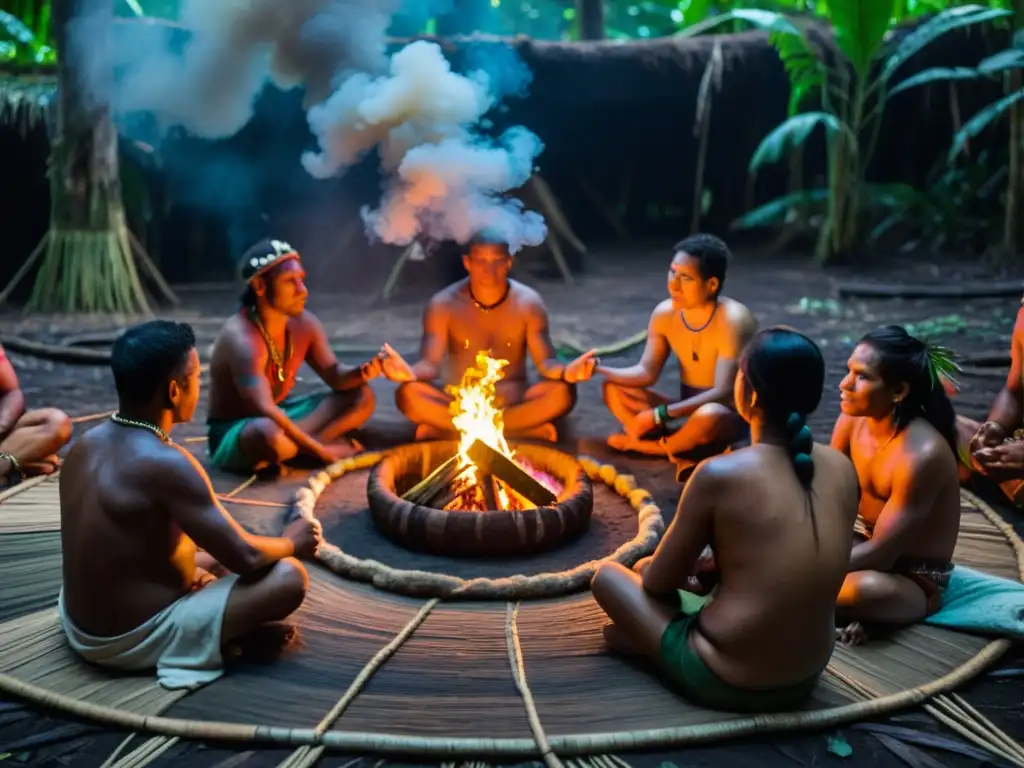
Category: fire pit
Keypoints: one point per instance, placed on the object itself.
(476, 496)
(455, 530)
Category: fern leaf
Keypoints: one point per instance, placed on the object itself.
(946, 21)
(777, 210)
(792, 133)
(983, 120)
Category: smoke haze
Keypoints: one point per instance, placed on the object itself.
(443, 178)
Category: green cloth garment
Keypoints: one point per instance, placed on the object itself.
(225, 435)
(696, 682)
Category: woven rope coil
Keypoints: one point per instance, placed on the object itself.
(414, 583)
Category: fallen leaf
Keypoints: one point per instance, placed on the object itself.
(839, 746)
(925, 739)
(912, 756)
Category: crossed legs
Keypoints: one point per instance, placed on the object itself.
(254, 602)
(531, 417)
(873, 597)
(264, 443)
(638, 620)
(707, 431)
(35, 440)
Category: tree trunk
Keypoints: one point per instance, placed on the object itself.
(88, 263)
(1013, 231)
(590, 16)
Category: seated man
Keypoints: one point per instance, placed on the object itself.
(706, 342)
(29, 440)
(134, 509)
(995, 449)
(251, 424)
(488, 311)
(897, 425)
(780, 513)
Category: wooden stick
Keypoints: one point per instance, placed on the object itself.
(25, 268)
(432, 485)
(489, 461)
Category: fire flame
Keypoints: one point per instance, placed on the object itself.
(476, 417)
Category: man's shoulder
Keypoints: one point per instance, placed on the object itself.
(923, 448)
(447, 297)
(526, 297)
(736, 313)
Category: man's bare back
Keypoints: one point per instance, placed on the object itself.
(124, 558)
(772, 618)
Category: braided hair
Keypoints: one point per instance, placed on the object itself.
(786, 370)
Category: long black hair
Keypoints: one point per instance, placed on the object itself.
(787, 371)
(903, 358)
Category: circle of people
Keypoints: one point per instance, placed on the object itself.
(780, 546)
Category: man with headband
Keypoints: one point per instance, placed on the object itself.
(252, 422)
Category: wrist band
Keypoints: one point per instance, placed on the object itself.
(15, 466)
(661, 415)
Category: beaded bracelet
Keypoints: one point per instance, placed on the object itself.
(15, 465)
(661, 415)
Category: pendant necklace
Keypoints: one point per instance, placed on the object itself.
(117, 418)
(275, 356)
(488, 307)
(682, 316)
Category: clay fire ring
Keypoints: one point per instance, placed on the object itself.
(650, 527)
(467, 533)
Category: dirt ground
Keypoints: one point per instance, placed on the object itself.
(610, 301)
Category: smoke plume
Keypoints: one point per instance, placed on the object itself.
(444, 179)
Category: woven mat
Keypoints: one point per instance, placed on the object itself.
(452, 679)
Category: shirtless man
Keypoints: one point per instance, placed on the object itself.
(995, 449)
(707, 332)
(897, 425)
(29, 440)
(136, 509)
(251, 424)
(779, 514)
(489, 312)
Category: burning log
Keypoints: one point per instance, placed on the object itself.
(488, 491)
(438, 483)
(490, 462)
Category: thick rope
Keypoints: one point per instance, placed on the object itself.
(305, 757)
(515, 657)
(650, 527)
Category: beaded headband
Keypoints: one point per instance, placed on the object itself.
(277, 252)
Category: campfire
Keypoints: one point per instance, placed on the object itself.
(485, 474)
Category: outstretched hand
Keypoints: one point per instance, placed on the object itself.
(394, 366)
(582, 368)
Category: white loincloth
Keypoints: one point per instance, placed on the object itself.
(182, 641)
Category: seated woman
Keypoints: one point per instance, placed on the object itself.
(780, 514)
(899, 428)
